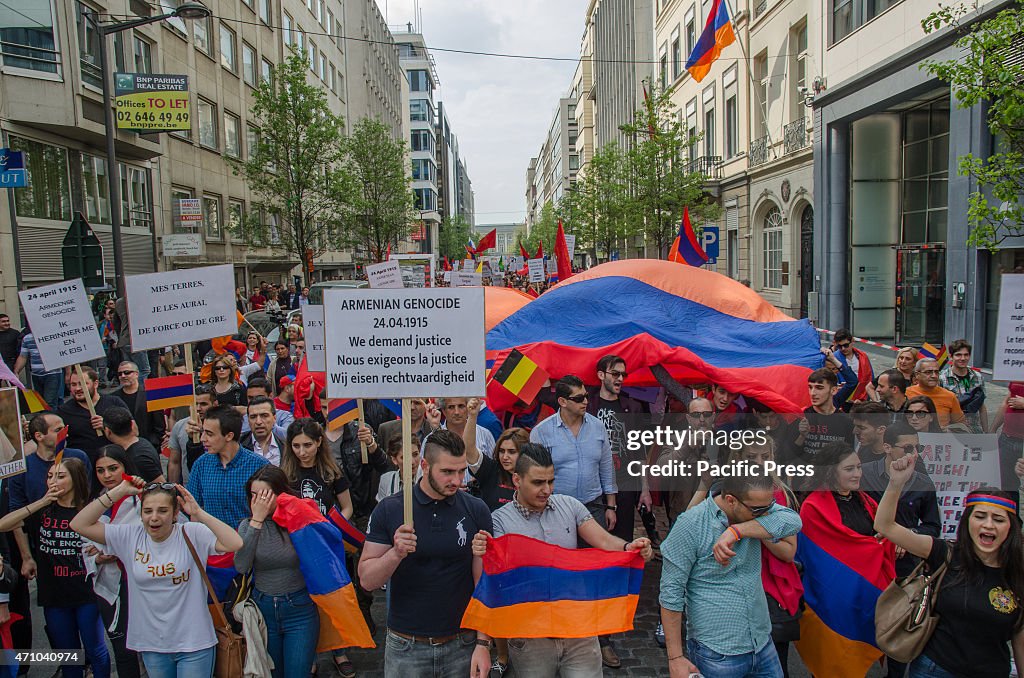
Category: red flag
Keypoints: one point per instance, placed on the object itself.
(540, 251)
(685, 248)
(308, 385)
(562, 255)
(522, 251)
(487, 242)
(388, 255)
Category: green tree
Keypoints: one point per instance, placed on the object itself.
(988, 71)
(664, 177)
(544, 231)
(297, 167)
(597, 208)
(381, 210)
(455, 233)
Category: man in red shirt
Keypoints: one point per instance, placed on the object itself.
(257, 301)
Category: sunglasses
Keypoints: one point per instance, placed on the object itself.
(169, 487)
(909, 449)
(844, 345)
(918, 414)
(701, 415)
(581, 398)
(221, 367)
(615, 374)
(755, 510)
(126, 373)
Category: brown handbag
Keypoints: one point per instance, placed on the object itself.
(230, 645)
(904, 620)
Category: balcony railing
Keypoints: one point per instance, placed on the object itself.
(760, 8)
(758, 152)
(794, 136)
(708, 165)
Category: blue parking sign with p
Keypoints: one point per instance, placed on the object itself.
(710, 243)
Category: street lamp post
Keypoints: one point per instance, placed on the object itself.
(185, 10)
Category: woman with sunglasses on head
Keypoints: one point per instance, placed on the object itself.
(64, 592)
(279, 589)
(922, 415)
(165, 590)
(979, 600)
(109, 580)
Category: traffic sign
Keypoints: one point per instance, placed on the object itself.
(12, 169)
(710, 243)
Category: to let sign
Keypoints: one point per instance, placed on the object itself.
(147, 102)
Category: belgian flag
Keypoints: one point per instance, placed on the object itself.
(520, 376)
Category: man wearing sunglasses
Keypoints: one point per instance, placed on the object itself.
(946, 404)
(917, 510)
(152, 425)
(857, 360)
(730, 524)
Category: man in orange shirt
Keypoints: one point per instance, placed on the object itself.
(946, 404)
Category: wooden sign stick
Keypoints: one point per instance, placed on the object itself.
(362, 420)
(88, 396)
(407, 459)
(193, 414)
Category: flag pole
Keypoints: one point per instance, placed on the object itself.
(763, 105)
(88, 396)
(192, 413)
(362, 420)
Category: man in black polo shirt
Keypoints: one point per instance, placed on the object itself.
(429, 564)
(83, 428)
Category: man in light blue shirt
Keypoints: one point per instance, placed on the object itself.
(727, 623)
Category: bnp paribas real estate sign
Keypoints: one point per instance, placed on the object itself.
(148, 102)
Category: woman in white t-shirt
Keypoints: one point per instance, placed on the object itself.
(168, 620)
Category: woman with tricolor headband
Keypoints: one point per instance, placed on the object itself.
(979, 600)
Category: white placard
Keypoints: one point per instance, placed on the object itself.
(190, 210)
(447, 276)
(515, 263)
(959, 464)
(385, 275)
(313, 331)
(456, 265)
(62, 324)
(175, 307)
(463, 279)
(1008, 362)
(405, 343)
(536, 270)
(12, 451)
(570, 244)
(182, 245)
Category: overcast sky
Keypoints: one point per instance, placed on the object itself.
(500, 109)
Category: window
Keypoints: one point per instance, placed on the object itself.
(422, 140)
(88, 49)
(95, 191)
(176, 24)
(333, 82)
(207, 124)
(232, 135)
(424, 169)
(252, 140)
(799, 81)
(142, 53)
(48, 194)
(849, 15)
(691, 32)
(691, 128)
(248, 3)
(211, 216)
(320, 11)
(201, 29)
(772, 243)
(312, 56)
(119, 61)
(265, 11)
(709, 131)
(761, 93)
(731, 126)
(236, 215)
(137, 211)
(228, 58)
(925, 187)
(424, 200)
(248, 64)
(677, 56)
(420, 110)
(31, 45)
(663, 67)
(286, 33)
(272, 230)
(419, 81)
(323, 67)
(266, 70)
(329, 24)
(177, 195)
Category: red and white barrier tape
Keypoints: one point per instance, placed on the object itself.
(892, 348)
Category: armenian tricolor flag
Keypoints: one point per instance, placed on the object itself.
(937, 353)
(341, 411)
(35, 401)
(717, 35)
(530, 589)
(686, 249)
(843, 574)
(319, 546)
(61, 445)
(220, 568)
(353, 538)
(162, 393)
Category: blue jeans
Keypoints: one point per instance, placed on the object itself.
(198, 664)
(761, 664)
(50, 386)
(70, 628)
(923, 667)
(404, 658)
(293, 628)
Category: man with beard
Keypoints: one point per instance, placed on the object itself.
(429, 565)
(85, 431)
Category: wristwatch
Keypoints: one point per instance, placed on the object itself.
(485, 643)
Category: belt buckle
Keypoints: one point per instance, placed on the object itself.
(434, 642)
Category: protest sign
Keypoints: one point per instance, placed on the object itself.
(182, 244)
(515, 263)
(1008, 361)
(536, 270)
(404, 343)
(62, 324)
(177, 307)
(313, 331)
(12, 454)
(570, 244)
(447, 276)
(385, 275)
(463, 279)
(417, 269)
(958, 464)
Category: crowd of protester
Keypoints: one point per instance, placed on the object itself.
(106, 533)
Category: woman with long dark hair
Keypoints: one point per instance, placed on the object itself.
(922, 415)
(495, 475)
(64, 592)
(279, 589)
(979, 600)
